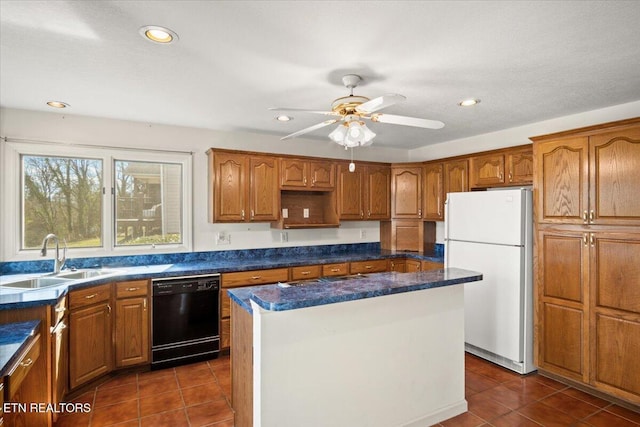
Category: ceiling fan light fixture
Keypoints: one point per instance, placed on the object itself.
(338, 134)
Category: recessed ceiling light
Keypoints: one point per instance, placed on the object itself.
(283, 118)
(57, 104)
(468, 102)
(158, 34)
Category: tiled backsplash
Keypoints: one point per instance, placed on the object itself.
(44, 265)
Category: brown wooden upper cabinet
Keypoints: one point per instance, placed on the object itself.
(406, 191)
(456, 176)
(298, 174)
(505, 168)
(434, 191)
(245, 187)
(591, 178)
(364, 194)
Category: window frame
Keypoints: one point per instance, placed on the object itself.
(12, 197)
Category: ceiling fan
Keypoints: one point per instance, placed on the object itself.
(351, 111)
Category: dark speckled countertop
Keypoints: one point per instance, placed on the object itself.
(349, 288)
(191, 265)
(13, 339)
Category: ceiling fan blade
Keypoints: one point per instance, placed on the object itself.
(302, 110)
(311, 128)
(379, 103)
(407, 121)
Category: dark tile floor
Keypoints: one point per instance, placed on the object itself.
(199, 395)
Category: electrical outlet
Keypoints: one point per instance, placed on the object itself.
(305, 213)
(363, 234)
(285, 213)
(284, 236)
(223, 238)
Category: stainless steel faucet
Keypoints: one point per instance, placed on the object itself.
(58, 262)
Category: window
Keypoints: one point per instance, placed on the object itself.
(99, 201)
(148, 203)
(61, 195)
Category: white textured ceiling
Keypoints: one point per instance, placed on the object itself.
(527, 61)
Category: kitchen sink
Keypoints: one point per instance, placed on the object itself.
(85, 274)
(38, 282)
(51, 279)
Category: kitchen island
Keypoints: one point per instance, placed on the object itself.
(384, 349)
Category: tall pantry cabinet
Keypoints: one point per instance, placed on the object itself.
(587, 268)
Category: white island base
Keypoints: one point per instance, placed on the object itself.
(394, 360)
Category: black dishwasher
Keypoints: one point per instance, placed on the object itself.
(185, 320)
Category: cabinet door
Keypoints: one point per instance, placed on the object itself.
(60, 362)
(561, 179)
(322, 175)
(90, 345)
(456, 177)
(413, 266)
(264, 192)
(615, 286)
(230, 187)
(487, 170)
(350, 193)
(132, 331)
(398, 265)
(563, 283)
(615, 177)
(433, 192)
(378, 192)
(520, 168)
(406, 192)
(293, 173)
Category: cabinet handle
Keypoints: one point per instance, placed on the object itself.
(368, 267)
(584, 216)
(304, 180)
(242, 213)
(335, 270)
(91, 296)
(592, 215)
(109, 308)
(419, 213)
(144, 304)
(60, 309)
(313, 181)
(255, 277)
(305, 273)
(55, 329)
(510, 177)
(500, 176)
(27, 363)
(251, 213)
(361, 214)
(592, 240)
(585, 239)
(132, 289)
(369, 213)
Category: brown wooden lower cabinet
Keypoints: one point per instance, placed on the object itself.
(90, 343)
(398, 265)
(588, 307)
(242, 367)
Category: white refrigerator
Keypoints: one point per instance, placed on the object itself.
(491, 232)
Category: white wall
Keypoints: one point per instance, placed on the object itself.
(67, 129)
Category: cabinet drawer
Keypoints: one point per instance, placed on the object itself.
(89, 296)
(58, 311)
(339, 269)
(22, 367)
(430, 265)
(306, 272)
(374, 266)
(134, 288)
(255, 277)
